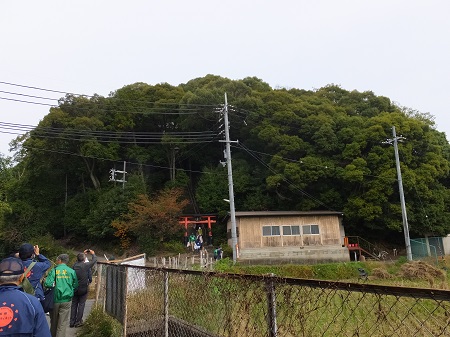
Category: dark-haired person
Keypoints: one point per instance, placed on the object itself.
(21, 314)
(83, 269)
(65, 281)
(29, 253)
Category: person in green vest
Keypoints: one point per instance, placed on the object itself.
(65, 281)
(218, 253)
(192, 239)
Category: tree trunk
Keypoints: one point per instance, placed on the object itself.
(90, 168)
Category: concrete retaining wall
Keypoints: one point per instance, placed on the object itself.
(295, 254)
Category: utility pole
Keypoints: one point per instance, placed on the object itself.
(65, 206)
(230, 180)
(173, 152)
(394, 141)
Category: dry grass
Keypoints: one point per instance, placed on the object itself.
(381, 273)
(423, 271)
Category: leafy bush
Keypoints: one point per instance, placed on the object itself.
(401, 260)
(174, 247)
(227, 251)
(50, 247)
(100, 324)
(148, 244)
(224, 265)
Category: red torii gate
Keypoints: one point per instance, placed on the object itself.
(187, 220)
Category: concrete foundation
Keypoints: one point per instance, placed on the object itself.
(307, 255)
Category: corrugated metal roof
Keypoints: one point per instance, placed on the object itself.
(286, 213)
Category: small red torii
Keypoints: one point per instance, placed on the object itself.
(187, 220)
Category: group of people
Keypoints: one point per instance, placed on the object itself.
(22, 313)
(196, 240)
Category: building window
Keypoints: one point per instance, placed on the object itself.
(271, 230)
(310, 229)
(291, 230)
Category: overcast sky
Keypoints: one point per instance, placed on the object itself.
(399, 49)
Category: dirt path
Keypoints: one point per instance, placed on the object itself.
(72, 332)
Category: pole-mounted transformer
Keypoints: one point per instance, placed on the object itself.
(112, 175)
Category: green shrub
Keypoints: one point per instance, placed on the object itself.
(174, 247)
(401, 260)
(227, 251)
(100, 324)
(148, 244)
(262, 270)
(297, 271)
(329, 271)
(336, 271)
(51, 248)
(224, 265)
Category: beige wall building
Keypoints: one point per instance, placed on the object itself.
(290, 236)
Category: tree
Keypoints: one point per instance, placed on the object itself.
(297, 150)
(151, 221)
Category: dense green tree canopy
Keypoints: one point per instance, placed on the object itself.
(323, 149)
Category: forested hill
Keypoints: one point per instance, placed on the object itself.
(297, 150)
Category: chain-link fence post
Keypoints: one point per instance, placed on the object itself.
(166, 304)
(124, 303)
(98, 284)
(272, 307)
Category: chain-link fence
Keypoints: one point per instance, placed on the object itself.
(431, 247)
(170, 302)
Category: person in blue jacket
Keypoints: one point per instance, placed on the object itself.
(29, 253)
(21, 314)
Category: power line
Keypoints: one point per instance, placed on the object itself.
(32, 127)
(119, 161)
(290, 183)
(22, 101)
(37, 130)
(308, 164)
(107, 136)
(25, 95)
(110, 97)
(196, 149)
(26, 127)
(37, 88)
(144, 110)
(182, 108)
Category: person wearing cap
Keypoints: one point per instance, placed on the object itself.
(28, 253)
(82, 268)
(65, 281)
(21, 314)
